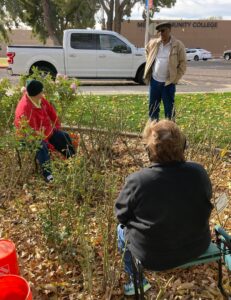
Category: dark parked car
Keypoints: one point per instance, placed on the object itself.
(227, 55)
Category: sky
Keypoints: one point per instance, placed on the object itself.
(191, 9)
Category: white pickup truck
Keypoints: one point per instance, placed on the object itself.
(85, 54)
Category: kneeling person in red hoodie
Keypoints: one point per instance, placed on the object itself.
(42, 118)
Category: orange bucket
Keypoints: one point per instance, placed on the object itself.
(13, 287)
(8, 258)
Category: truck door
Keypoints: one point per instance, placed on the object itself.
(114, 57)
(81, 55)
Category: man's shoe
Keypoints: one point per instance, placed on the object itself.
(49, 178)
(129, 288)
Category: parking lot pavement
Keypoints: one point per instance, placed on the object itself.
(202, 76)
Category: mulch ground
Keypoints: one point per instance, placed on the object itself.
(54, 278)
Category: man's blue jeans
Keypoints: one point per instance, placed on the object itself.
(158, 91)
(127, 257)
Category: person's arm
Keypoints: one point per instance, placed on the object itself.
(52, 114)
(25, 116)
(147, 49)
(125, 202)
(182, 62)
(206, 183)
(27, 124)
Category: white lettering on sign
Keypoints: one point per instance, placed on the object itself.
(221, 202)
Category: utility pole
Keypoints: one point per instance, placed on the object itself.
(148, 5)
(147, 23)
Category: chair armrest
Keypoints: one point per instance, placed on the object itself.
(220, 231)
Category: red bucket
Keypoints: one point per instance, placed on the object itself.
(13, 287)
(8, 258)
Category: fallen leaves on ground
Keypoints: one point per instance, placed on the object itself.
(54, 278)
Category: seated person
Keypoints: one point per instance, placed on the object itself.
(41, 116)
(164, 209)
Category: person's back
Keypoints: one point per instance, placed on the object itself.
(165, 208)
(171, 208)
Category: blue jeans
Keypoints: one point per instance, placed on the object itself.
(158, 91)
(43, 157)
(62, 143)
(127, 257)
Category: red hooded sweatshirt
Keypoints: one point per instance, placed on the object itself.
(42, 119)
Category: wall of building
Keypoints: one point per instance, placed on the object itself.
(213, 35)
(22, 37)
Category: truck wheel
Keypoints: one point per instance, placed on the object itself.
(45, 70)
(227, 57)
(139, 77)
(196, 57)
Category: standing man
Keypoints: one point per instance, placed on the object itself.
(165, 65)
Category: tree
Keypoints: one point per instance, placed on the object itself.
(117, 9)
(162, 3)
(48, 18)
(108, 6)
(122, 9)
(6, 21)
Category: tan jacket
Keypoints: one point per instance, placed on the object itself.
(177, 60)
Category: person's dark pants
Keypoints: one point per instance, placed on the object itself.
(61, 142)
(158, 91)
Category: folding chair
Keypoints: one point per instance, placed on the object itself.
(219, 251)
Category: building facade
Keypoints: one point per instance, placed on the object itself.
(212, 35)
(22, 37)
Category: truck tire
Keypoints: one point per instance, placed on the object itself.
(45, 69)
(227, 56)
(139, 76)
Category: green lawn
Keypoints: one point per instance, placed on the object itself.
(202, 116)
(3, 62)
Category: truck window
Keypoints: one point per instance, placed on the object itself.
(109, 42)
(83, 41)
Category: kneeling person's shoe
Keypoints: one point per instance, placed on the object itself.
(129, 288)
(49, 178)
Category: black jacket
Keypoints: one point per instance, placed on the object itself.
(166, 210)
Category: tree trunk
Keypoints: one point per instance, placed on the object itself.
(119, 13)
(118, 16)
(110, 15)
(48, 23)
(108, 7)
